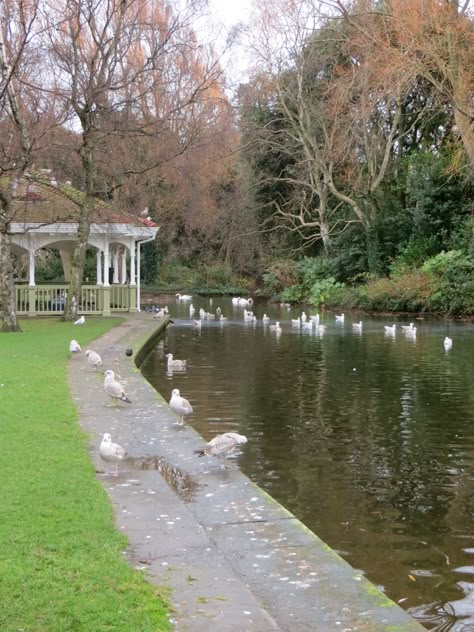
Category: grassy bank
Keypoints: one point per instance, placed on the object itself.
(61, 559)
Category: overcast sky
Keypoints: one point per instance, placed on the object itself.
(226, 14)
(229, 12)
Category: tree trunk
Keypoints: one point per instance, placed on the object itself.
(77, 267)
(84, 225)
(465, 125)
(7, 285)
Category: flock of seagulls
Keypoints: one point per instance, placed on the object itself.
(224, 444)
(220, 446)
(303, 322)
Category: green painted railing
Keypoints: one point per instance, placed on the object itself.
(95, 299)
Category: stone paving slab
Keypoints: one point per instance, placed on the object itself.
(234, 558)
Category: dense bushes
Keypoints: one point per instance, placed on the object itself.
(443, 283)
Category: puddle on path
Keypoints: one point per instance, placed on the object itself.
(180, 482)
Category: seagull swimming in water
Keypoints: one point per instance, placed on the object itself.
(175, 364)
(112, 452)
(222, 445)
(74, 347)
(448, 343)
(180, 406)
(93, 358)
(80, 321)
(276, 327)
(113, 388)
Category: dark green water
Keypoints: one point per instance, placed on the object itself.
(367, 439)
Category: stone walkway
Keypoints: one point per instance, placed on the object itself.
(234, 558)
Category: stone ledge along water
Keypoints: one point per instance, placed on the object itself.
(234, 558)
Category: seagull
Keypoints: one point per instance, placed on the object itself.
(180, 406)
(295, 322)
(111, 451)
(407, 327)
(74, 347)
(390, 329)
(192, 310)
(222, 445)
(357, 326)
(410, 333)
(266, 319)
(276, 327)
(197, 323)
(340, 318)
(80, 321)
(93, 358)
(114, 388)
(183, 297)
(175, 364)
(448, 343)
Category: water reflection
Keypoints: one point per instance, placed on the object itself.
(180, 482)
(368, 438)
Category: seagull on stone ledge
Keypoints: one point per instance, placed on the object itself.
(180, 406)
(111, 451)
(113, 388)
(222, 445)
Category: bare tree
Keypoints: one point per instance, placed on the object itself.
(18, 20)
(340, 111)
(113, 63)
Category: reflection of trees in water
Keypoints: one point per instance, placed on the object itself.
(180, 482)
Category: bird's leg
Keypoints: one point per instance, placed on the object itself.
(116, 473)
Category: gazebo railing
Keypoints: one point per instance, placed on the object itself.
(42, 300)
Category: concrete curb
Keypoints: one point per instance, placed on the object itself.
(234, 558)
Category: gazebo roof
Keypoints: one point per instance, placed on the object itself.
(42, 200)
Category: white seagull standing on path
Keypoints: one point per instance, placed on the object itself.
(222, 445)
(74, 347)
(113, 388)
(93, 358)
(180, 406)
(111, 451)
(80, 321)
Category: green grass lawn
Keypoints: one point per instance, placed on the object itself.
(61, 558)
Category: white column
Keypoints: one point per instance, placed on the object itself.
(106, 265)
(116, 266)
(132, 265)
(32, 269)
(138, 275)
(124, 265)
(99, 267)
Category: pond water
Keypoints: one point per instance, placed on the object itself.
(367, 438)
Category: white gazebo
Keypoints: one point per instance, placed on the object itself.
(45, 216)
